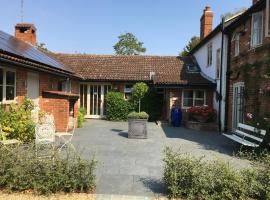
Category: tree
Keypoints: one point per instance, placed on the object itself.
(42, 46)
(194, 41)
(128, 44)
(138, 92)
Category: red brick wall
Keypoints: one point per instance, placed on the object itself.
(21, 77)
(247, 56)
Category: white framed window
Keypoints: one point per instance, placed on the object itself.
(257, 29)
(192, 98)
(236, 39)
(209, 54)
(128, 91)
(218, 63)
(7, 85)
(267, 17)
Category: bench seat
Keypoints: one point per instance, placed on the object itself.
(240, 140)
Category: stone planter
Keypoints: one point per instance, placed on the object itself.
(137, 128)
(199, 126)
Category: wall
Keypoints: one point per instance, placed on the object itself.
(247, 56)
(210, 71)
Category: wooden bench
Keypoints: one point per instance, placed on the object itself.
(247, 135)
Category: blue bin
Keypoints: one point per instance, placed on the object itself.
(176, 117)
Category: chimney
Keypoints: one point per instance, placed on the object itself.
(206, 22)
(26, 33)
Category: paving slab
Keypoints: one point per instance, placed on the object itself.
(130, 168)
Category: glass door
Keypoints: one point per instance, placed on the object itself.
(95, 101)
(238, 104)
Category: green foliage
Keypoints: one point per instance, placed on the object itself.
(128, 44)
(117, 108)
(81, 117)
(193, 178)
(136, 115)
(138, 92)
(194, 41)
(151, 103)
(21, 170)
(17, 122)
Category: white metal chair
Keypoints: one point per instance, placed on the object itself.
(66, 137)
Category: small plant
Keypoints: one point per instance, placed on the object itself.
(81, 117)
(22, 171)
(117, 109)
(138, 92)
(136, 115)
(202, 113)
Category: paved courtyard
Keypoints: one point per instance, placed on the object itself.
(134, 166)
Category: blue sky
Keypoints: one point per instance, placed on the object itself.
(92, 26)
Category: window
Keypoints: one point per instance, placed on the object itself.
(193, 98)
(257, 29)
(236, 39)
(267, 21)
(128, 91)
(7, 85)
(209, 54)
(218, 64)
(64, 86)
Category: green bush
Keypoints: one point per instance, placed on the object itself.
(136, 115)
(81, 117)
(21, 170)
(17, 123)
(117, 108)
(193, 178)
(151, 103)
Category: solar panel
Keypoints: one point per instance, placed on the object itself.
(13, 45)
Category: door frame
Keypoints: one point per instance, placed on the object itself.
(234, 115)
(102, 84)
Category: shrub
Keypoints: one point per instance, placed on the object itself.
(192, 178)
(17, 123)
(117, 109)
(151, 103)
(21, 170)
(136, 115)
(81, 117)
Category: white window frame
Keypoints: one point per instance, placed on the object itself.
(193, 98)
(127, 90)
(209, 54)
(252, 31)
(218, 64)
(5, 69)
(267, 19)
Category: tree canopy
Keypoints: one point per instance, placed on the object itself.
(191, 44)
(128, 44)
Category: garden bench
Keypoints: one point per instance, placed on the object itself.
(247, 135)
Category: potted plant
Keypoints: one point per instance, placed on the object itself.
(203, 114)
(137, 121)
(137, 125)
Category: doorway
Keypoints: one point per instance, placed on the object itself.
(238, 104)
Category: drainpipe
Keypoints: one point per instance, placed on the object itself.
(221, 74)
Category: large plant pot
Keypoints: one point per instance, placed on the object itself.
(137, 128)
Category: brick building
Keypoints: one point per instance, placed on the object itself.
(248, 64)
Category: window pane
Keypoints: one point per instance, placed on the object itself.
(188, 103)
(199, 102)
(10, 78)
(1, 76)
(10, 93)
(188, 94)
(199, 94)
(1, 93)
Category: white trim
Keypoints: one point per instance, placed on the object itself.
(209, 61)
(267, 21)
(5, 69)
(252, 46)
(235, 85)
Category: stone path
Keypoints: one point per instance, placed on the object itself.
(134, 166)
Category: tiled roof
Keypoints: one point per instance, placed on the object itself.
(167, 69)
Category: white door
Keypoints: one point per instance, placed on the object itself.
(238, 104)
(96, 105)
(33, 86)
